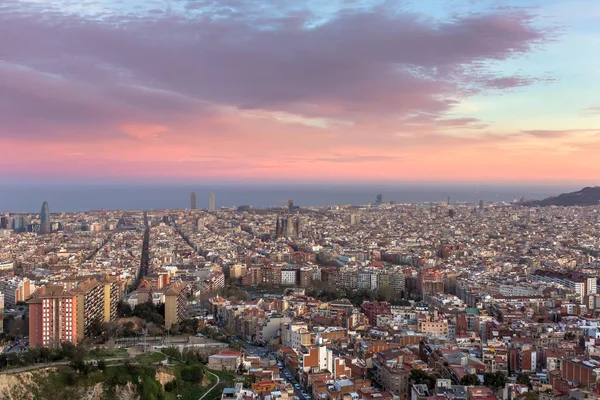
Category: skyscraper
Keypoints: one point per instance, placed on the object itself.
(45, 226)
(193, 201)
(211, 201)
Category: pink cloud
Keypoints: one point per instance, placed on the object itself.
(167, 96)
(592, 110)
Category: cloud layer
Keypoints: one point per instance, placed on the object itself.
(144, 93)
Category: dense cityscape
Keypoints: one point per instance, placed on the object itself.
(299, 200)
(380, 301)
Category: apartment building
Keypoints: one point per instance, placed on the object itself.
(433, 328)
(296, 335)
(270, 327)
(90, 306)
(112, 294)
(175, 303)
(389, 372)
(374, 308)
(305, 276)
(320, 358)
(289, 276)
(52, 317)
(15, 289)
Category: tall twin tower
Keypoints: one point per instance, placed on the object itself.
(211, 201)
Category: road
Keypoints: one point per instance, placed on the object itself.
(214, 386)
(292, 381)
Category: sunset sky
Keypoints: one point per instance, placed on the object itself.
(291, 90)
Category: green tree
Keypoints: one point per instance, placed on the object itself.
(13, 359)
(494, 380)
(44, 354)
(187, 326)
(531, 396)
(79, 353)
(171, 386)
(55, 355)
(68, 350)
(192, 373)
(470, 380)
(421, 377)
(150, 389)
(79, 366)
(31, 356)
(172, 352)
(524, 379)
(124, 309)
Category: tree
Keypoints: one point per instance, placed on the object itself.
(524, 379)
(171, 386)
(68, 349)
(192, 373)
(470, 380)
(13, 359)
(421, 377)
(172, 352)
(187, 326)
(386, 293)
(531, 396)
(79, 353)
(55, 355)
(31, 356)
(123, 309)
(44, 354)
(80, 366)
(494, 380)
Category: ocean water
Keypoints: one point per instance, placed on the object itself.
(84, 197)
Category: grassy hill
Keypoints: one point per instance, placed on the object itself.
(142, 377)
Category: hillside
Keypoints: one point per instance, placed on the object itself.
(141, 377)
(589, 196)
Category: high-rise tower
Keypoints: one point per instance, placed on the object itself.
(193, 201)
(45, 226)
(211, 201)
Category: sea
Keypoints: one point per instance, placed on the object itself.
(28, 198)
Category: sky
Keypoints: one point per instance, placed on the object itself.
(304, 90)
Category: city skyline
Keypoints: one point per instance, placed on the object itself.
(68, 198)
(302, 92)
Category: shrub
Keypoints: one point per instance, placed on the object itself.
(171, 386)
(192, 373)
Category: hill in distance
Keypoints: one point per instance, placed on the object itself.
(588, 196)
